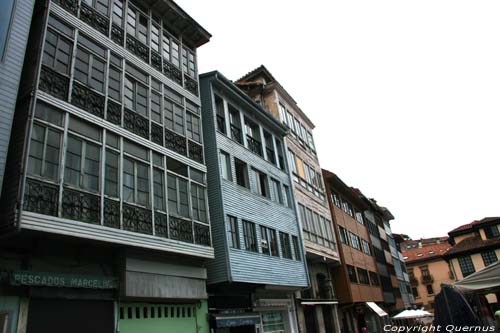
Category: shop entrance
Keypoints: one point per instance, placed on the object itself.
(76, 316)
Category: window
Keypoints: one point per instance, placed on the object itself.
(489, 257)
(136, 96)
(159, 189)
(414, 291)
(90, 63)
(279, 148)
(44, 153)
(289, 118)
(359, 218)
(135, 182)
(115, 79)
(137, 24)
(354, 241)
(273, 322)
(261, 185)
(220, 114)
(430, 290)
(241, 173)
(198, 204)
(269, 241)
(346, 206)
(225, 165)
(344, 238)
(118, 12)
(111, 173)
(363, 276)
(366, 247)
(269, 141)
(232, 230)
(174, 116)
(102, 6)
(276, 195)
(352, 274)
(286, 251)
(292, 161)
(491, 231)
(193, 127)
(287, 199)
(177, 195)
(188, 62)
(282, 111)
(252, 131)
(57, 50)
(466, 265)
(336, 199)
(374, 279)
(250, 236)
(155, 37)
(296, 248)
(82, 164)
(235, 124)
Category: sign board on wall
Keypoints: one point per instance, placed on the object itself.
(42, 279)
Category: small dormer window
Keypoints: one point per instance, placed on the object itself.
(491, 232)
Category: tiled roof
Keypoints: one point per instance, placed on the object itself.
(426, 252)
(473, 243)
(474, 224)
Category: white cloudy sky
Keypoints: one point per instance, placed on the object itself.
(405, 95)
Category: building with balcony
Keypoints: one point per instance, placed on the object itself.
(316, 306)
(474, 246)
(259, 260)
(357, 281)
(427, 268)
(104, 196)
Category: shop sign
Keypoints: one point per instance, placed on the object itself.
(24, 278)
(237, 321)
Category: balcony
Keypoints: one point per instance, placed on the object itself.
(427, 279)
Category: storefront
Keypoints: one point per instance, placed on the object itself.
(56, 302)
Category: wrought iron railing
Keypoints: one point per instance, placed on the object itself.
(137, 219)
(96, 20)
(175, 142)
(81, 206)
(181, 229)
(54, 83)
(114, 113)
(254, 145)
(40, 197)
(138, 48)
(87, 99)
(236, 134)
(157, 134)
(201, 234)
(136, 123)
(190, 84)
(195, 151)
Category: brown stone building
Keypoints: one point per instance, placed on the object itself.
(357, 280)
(427, 268)
(316, 306)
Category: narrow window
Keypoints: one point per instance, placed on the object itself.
(235, 124)
(276, 191)
(159, 189)
(232, 230)
(44, 153)
(250, 237)
(225, 165)
(220, 115)
(198, 203)
(241, 173)
(111, 174)
(193, 127)
(296, 248)
(285, 245)
(261, 183)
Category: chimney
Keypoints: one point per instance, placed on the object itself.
(419, 244)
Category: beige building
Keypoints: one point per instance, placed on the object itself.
(427, 268)
(475, 246)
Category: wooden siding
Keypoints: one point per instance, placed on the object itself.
(10, 72)
(218, 268)
(243, 265)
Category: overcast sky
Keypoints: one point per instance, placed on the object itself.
(405, 95)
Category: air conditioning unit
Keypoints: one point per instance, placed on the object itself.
(264, 244)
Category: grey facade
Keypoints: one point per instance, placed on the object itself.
(106, 162)
(259, 261)
(15, 20)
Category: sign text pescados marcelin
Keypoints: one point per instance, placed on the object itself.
(61, 280)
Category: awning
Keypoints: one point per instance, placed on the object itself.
(377, 309)
(237, 320)
(484, 281)
(318, 302)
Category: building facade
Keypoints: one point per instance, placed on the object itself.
(317, 306)
(474, 246)
(104, 194)
(259, 260)
(427, 268)
(357, 280)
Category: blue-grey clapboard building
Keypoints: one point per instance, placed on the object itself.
(259, 260)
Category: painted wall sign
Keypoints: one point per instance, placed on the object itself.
(23, 278)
